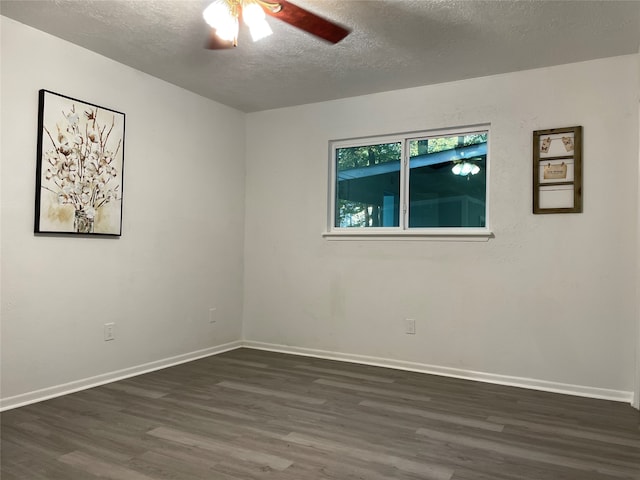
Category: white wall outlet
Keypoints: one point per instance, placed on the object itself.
(409, 326)
(212, 315)
(109, 331)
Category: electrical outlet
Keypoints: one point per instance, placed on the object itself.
(409, 326)
(109, 331)
(212, 315)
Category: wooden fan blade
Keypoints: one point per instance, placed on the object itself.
(309, 22)
(216, 43)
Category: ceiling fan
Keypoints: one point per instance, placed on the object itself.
(224, 18)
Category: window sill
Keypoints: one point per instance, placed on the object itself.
(441, 234)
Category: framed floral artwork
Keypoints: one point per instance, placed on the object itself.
(80, 166)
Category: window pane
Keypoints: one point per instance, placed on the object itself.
(447, 181)
(368, 186)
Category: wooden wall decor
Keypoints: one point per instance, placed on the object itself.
(557, 170)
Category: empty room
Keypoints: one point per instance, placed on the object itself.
(319, 239)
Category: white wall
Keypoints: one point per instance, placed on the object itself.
(551, 297)
(181, 251)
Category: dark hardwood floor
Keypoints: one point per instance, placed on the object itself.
(249, 414)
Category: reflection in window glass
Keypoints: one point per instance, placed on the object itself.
(447, 181)
(368, 186)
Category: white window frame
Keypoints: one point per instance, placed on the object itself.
(403, 230)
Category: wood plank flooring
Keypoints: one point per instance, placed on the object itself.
(249, 414)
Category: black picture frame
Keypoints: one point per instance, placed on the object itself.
(80, 167)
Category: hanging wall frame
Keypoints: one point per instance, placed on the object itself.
(80, 160)
(557, 170)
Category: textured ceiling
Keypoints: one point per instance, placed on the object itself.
(394, 44)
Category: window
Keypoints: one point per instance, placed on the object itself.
(424, 183)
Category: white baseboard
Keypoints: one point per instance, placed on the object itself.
(85, 383)
(530, 383)
(533, 384)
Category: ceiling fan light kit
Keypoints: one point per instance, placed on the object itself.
(224, 18)
(253, 15)
(465, 168)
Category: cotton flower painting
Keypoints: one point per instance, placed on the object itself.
(80, 167)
